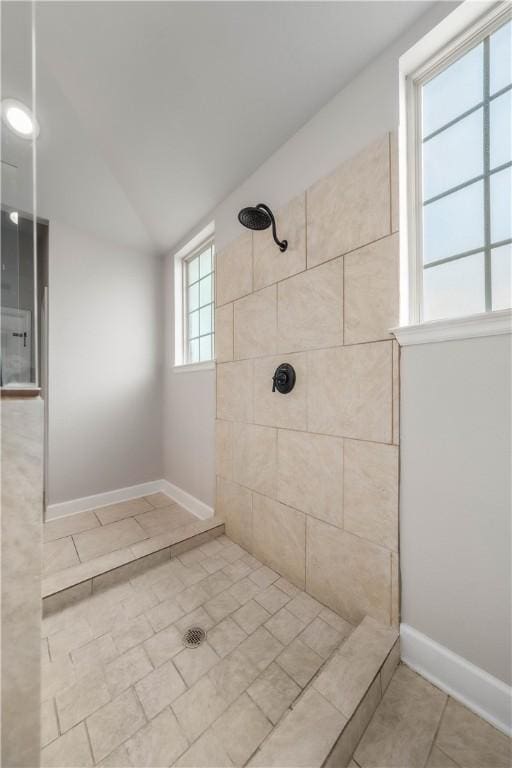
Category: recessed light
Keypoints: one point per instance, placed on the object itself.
(13, 216)
(19, 118)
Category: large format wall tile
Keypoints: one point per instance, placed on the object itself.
(234, 390)
(224, 333)
(224, 449)
(310, 474)
(255, 457)
(285, 488)
(279, 537)
(371, 491)
(310, 309)
(234, 506)
(233, 270)
(371, 291)
(351, 207)
(256, 324)
(273, 408)
(350, 392)
(270, 265)
(350, 575)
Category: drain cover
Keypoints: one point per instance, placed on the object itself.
(193, 637)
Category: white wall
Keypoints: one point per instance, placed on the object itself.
(360, 113)
(455, 497)
(105, 341)
(188, 417)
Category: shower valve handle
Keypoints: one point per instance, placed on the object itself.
(283, 378)
(279, 379)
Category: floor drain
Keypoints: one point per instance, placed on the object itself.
(193, 637)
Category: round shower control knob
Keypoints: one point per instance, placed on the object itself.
(283, 378)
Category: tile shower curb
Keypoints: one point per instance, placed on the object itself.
(340, 699)
(82, 580)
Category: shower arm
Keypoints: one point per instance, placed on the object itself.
(283, 244)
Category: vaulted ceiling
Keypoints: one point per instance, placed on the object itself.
(152, 112)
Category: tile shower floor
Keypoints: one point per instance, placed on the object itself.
(79, 538)
(119, 688)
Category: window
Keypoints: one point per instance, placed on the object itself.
(198, 275)
(458, 141)
(195, 301)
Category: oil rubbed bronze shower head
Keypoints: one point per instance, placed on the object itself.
(261, 217)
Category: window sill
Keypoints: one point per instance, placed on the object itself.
(472, 327)
(207, 365)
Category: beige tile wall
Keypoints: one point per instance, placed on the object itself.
(21, 502)
(308, 481)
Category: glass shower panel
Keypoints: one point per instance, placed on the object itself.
(18, 315)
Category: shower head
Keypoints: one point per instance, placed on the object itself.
(261, 217)
(254, 218)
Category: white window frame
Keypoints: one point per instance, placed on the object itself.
(194, 246)
(447, 42)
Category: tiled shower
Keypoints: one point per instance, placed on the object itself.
(308, 481)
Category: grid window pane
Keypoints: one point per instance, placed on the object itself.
(193, 297)
(205, 290)
(501, 273)
(456, 148)
(501, 130)
(501, 205)
(193, 325)
(205, 352)
(453, 91)
(193, 351)
(198, 320)
(454, 224)
(453, 156)
(500, 68)
(205, 262)
(193, 270)
(454, 289)
(205, 321)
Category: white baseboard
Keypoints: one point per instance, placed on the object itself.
(479, 691)
(191, 504)
(197, 507)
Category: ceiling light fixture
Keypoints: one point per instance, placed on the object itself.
(19, 118)
(13, 216)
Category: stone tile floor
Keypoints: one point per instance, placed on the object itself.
(119, 688)
(76, 539)
(418, 726)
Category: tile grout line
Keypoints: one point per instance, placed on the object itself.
(437, 729)
(313, 266)
(88, 735)
(321, 520)
(444, 754)
(307, 432)
(308, 350)
(76, 550)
